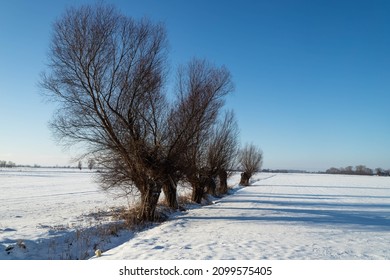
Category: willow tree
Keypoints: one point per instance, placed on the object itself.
(222, 152)
(106, 72)
(201, 91)
(250, 160)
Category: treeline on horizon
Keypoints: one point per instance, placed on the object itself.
(4, 163)
(349, 170)
(358, 170)
(11, 164)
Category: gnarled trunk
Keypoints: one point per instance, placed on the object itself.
(198, 189)
(211, 186)
(170, 193)
(149, 200)
(197, 193)
(223, 186)
(245, 179)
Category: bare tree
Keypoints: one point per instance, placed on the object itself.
(201, 89)
(348, 170)
(91, 163)
(379, 171)
(251, 160)
(107, 73)
(363, 170)
(222, 152)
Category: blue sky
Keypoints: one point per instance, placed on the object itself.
(312, 77)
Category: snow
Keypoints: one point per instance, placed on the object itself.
(283, 216)
(53, 213)
(278, 217)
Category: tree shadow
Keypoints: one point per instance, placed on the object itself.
(319, 203)
(320, 186)
(309, 209)
(314, 196)
(358, 219)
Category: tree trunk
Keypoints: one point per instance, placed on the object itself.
(149, 200)
(245, 179)
(197, 194)
(223, 186)
(198, 191)
(170, 193)
(211, 187)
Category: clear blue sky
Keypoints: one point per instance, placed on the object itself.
(312, 77)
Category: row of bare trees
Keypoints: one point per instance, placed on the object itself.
(108, 72)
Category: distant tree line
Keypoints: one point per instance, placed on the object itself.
(275, 170)
(287, 171)
(7, 164)
(358, 170)
(10, 164)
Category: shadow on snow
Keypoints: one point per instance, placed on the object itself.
(309, 209)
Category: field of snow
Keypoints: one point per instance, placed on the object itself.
(51, 213)
(279, 217)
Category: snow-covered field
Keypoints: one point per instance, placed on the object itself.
(52, 213)
(280, 216)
